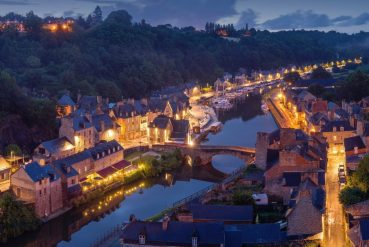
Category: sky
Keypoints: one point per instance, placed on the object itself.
(349, 16)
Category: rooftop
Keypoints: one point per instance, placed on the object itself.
(221, 212)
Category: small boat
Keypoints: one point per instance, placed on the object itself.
(264, 107)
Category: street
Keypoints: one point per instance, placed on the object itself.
(334, 233)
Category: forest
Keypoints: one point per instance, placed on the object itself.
(116, 57)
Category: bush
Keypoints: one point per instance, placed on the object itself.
(351, 195)
(240, 197)
(15, 217)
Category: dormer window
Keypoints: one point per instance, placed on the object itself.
(342, 128)
(194, 241)
(334, 129)
(141, 239)
(98, 156)
(356, 150)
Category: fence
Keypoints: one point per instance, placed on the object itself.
(236, 173)
(107, 238)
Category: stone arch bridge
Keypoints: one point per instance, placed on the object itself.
(203, 154)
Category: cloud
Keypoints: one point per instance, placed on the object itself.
(69, 13)
(240, 19)
(297, 20)
(176, 12)
(355, 21)
(16, 2)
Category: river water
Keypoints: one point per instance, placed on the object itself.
(84, 226)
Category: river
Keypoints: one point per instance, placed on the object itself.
(82, 227)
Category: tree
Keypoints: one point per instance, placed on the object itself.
(119, 17)
(320, 74)
(351, 195)
(108, 89)
(316, 89)
(33, 23)
(13, 150)
(292, 77)
(355, 87)
(15, 217)
(97, 16)
(360, 178)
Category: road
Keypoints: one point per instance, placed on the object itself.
(285, 120)
(334, 234)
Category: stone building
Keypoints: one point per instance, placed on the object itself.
(40, 186)
(65, 106)
(5, 171)
(49, 151)
(164, 129)
(132, 117)
(336, 131)
(79, 130)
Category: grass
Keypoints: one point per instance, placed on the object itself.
(134, 155)
(160, 215)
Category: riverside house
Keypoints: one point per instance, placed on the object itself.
(40, 186)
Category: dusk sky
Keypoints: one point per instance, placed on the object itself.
(340, 15)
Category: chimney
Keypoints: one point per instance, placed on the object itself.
(166, 222)
(144, 102)
(102, 125)
(132, 218)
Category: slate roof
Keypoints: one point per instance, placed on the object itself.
(104, 147)
(66, 100)
(102, 118)
(332, 106)
(37, 172)
(305, 218)
(160, 122)
(56, 145)
(129, 109)
(88, 102)
(366, 130)
(316, 118)
(221, 213)
(63, 169)
(338, 124)
(352, 142)
(342, 113)
(180, 128)
(293, 179)
(305, 96)
(80, 122)
(360, 209)
(177, 233)
(253, 234)
(157, 105)
(364, 229)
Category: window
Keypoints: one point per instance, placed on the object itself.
(356, 150)
(73, 181)
(40, 192)
(141, 239)
(342, 128)
(194, 241)
(44, 191)
(334, 138)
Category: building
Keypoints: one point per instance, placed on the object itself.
(105, 128)
(65, 106)
(336, 131)
(5, 172)
(164, 129)
(40, 186)
(290, 157)
(305, 215)
(132, 117)
(217, 213)
(177, 233)
(49, 151)
(79, 130)
(172, 233)
(354, 146)
(359, 234)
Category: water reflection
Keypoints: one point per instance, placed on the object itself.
(82, 226)
(241, 123)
